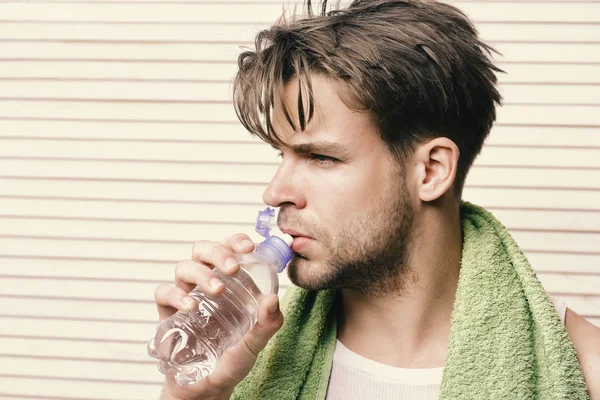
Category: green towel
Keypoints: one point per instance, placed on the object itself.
(506, 340)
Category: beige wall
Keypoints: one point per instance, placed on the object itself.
(119, 148)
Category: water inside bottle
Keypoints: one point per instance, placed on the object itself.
(190, 343)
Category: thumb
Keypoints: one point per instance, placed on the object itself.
(270, 320)
(238, 360)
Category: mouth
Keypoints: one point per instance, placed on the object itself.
(300, 256)
(301, 241)
(293, 233)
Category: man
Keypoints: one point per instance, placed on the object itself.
(378, 112)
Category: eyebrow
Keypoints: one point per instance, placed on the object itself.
(318, 148)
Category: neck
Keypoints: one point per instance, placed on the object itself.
(411, 327)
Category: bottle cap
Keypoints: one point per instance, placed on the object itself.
(264, 222)
(278, 245)
(288, 239)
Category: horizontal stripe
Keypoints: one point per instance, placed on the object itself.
(245, 32)
(555, 115)
(237, 215)
(516, 72)
(268, 13)
(512, 52)
(220, 93)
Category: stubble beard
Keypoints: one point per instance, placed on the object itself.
(370, 255)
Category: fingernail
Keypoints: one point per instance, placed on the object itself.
(230, 263)
(215, 283)
(188, 302)
(274, 307)
(247, 243)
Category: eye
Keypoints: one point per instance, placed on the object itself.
(321, 159)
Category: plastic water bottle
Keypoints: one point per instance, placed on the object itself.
(191, 342)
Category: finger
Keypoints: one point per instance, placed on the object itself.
(218, 255)
(238, 360)
(190, 274)
(270, 319)
(170, 299)
(240, 242)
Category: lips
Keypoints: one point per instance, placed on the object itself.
(300, 243)
(300, 240)
(293, 233)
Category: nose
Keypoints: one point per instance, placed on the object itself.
(283, 188)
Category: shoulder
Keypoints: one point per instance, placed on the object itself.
(586, 340)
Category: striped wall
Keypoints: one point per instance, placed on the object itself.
(119, 148)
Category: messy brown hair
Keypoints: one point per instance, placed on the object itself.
(417, 67)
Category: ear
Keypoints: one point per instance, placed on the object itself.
(436, 162)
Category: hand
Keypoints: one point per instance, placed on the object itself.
(237, 361)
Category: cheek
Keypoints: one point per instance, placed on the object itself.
(362, 188)
(341, 196)
(350, 191)
(347, 204)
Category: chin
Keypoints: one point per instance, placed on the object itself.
(306, 274)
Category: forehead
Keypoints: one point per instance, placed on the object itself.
(332, 120)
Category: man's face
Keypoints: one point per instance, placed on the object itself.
(342, 196)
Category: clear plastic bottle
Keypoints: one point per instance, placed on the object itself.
(191, 342)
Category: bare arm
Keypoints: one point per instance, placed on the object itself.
(586, 340)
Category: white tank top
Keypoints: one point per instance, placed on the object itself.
(357, 377)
